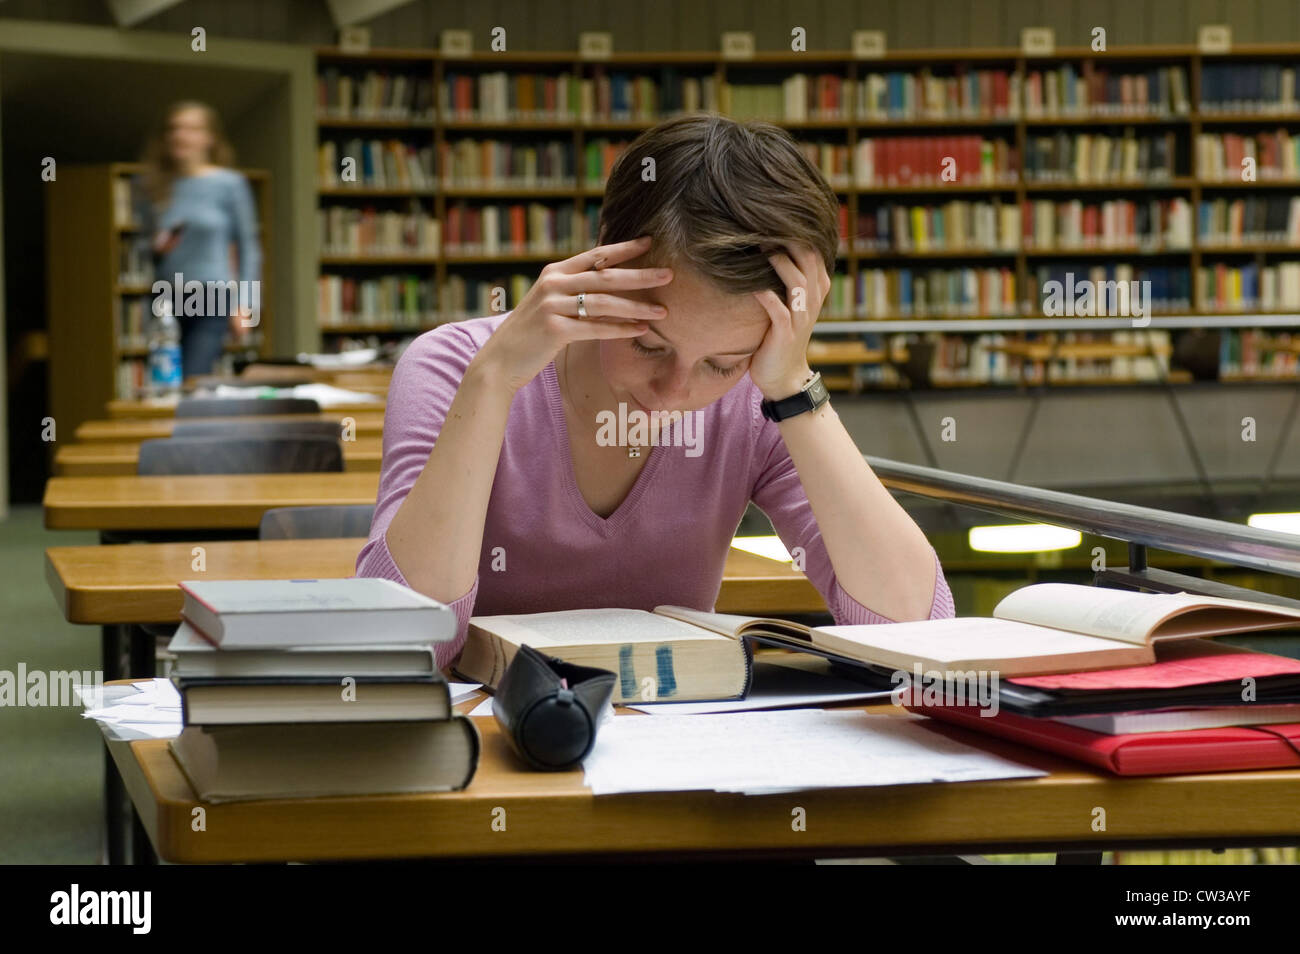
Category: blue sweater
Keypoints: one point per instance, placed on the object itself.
(216, 209)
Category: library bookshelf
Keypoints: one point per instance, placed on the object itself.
(99, 277)
(1118, 166)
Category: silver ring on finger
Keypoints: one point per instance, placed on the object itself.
(582, 307)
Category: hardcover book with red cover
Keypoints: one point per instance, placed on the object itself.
(1229, 749)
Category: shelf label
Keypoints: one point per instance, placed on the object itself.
(1214, 38)
(868, 44)
(1038, 41)
(738, 45)
(354, 39)
(455, 43)
(595, 45)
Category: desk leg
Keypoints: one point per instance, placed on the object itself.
(143, 652)
(142, 852)
(115, 827)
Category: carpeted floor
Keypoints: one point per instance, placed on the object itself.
(51, 760)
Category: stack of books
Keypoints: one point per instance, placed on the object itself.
(1124, 681)
(307, 688)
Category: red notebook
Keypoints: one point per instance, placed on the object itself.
(1229, 749)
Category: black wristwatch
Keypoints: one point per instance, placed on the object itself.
(812, 396)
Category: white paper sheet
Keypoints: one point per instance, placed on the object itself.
(787, 750)
(460, 691)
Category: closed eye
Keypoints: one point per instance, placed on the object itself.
(638, 347)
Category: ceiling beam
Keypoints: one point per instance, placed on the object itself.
(130, 12)
(350, 12)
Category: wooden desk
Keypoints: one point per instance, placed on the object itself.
(119, 409)
(108, 459)
(127, 429)
(206, 502)
(550, 812)
(137, 583)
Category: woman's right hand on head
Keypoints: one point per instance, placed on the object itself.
(546, 319)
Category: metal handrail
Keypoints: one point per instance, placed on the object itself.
(1234, 543)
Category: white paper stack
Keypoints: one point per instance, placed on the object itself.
(760, 753)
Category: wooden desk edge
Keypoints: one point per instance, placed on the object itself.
(687, 823)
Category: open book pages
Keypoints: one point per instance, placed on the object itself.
(1133, 617)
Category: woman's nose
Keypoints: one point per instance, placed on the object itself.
(672, 384)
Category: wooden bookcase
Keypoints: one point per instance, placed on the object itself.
(852, 342)
(87, 293)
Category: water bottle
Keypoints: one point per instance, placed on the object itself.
(165, 354)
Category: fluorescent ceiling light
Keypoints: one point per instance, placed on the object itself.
(1286, 522)
(1022, 538)
(769, 546)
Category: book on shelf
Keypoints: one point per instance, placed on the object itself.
(967, 94)
(135, 261)
(1255, 352)
(608, 95)
(498, 96)
(518, 228)
(405, 301)
(132, 324)
(128, 198)
(889, 161)
(1228, 287)
(1248, 87)
(1252, 220)
(1275, 153)
(502, 164)
(832, 160)
(935, 292)
(377, 164)
(373, 95)
(1088, 158)
(344, 230)
(1088, 90)
(132, 378)
(462, 297)
(1039, 629)
(1089, 289)
(1154, 224)
(957, 225)
(270, 614)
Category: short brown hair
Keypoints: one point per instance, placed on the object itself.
(724, 194)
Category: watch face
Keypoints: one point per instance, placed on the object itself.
(818, 391)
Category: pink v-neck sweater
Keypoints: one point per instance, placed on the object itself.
(545, 549)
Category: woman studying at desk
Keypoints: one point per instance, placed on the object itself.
(506, 486)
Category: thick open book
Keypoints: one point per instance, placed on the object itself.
(681, 654)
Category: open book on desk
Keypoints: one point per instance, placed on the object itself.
(680, 654)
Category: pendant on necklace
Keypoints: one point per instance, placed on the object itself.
(633, 451)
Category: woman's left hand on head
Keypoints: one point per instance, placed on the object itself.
(779, 367)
